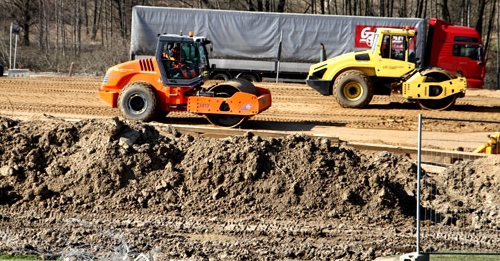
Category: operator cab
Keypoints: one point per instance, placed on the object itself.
(183, 60)
(394, 52)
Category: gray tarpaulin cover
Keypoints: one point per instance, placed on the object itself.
(256, 35)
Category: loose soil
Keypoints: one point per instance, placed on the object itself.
(102, 188)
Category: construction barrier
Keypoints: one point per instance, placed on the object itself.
(18, 73)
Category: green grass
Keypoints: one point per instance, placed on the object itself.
(464, 258)
(17, 258)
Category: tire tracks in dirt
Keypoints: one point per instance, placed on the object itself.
(292, 103)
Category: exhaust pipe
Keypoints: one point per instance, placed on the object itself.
(322, 57)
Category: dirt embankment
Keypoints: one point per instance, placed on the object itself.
(108, 189)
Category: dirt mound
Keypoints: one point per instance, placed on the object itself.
(105, 189)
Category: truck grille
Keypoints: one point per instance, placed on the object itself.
(147, 64)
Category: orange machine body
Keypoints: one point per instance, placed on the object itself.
(173, 81)
(178, 98)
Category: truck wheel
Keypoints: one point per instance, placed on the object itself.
(137, 101)
(353, 89)
(220, 77)
(228, 89)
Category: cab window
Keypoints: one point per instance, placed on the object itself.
(411, 49)
(393, 47)
(467, 50)
(180, 60)
(397, 48)
(385, 49)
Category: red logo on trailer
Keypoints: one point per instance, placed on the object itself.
(364, 35)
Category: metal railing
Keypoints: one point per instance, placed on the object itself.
(458, 189)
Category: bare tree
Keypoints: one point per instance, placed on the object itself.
(22, 12)
(96, 21)
(281, 6)
(250, 6)
(445, 12)
(480, 13)
(369, 9)
(402, 9)
(260, 6)
(41, 31)
(420, 10)
(491, 24)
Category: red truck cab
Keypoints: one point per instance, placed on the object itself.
(456, 48)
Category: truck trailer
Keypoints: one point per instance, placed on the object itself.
(257, 45)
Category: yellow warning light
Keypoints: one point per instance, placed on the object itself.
(407, 27)
(191, 33)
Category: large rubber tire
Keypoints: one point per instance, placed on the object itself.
(137, 101)
(228, 89)
(353, 89)
(437, 75)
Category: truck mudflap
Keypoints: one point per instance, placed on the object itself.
(240, 103)
(321, 86)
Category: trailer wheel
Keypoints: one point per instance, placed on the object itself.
(220, 77)
(249, 77)
(137, 101)
(228, 89)
(353, 89)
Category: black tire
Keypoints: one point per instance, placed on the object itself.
(248, 77)
(1, 70)
(353, 89)
(137, 101)
(221, 77)
(228, 89)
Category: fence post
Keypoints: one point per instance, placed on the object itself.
(419, 158)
